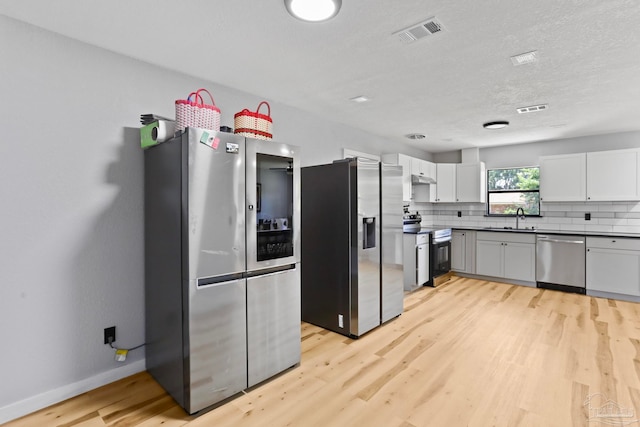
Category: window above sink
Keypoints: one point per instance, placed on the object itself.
(509, 189)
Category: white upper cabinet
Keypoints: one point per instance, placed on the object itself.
(563, 178)
(471, 182)
(405, 162)
(446, 183)
(613, 175)
(423, 168)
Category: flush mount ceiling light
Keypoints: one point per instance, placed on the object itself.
(496, 125)
(313, 10)
(359, 99)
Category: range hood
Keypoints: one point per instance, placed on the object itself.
(421, 179)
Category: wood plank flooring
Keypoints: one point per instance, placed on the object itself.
(466, 353)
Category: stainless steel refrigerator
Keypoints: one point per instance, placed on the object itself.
(222, 288)
(352, 277)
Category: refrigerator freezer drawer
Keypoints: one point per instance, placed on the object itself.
(273, 324)
(217, 345)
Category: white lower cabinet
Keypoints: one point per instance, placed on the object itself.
(520, 261)
(489, 257)
(458, 250)
(613, 265)
(463, 251)
(506, 255)
(416, 260)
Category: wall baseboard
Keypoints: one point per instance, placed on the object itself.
(48, 398)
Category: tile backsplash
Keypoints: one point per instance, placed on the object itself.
(622, 217)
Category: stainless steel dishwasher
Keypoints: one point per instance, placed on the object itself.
(560, 262)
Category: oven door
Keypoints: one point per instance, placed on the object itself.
(440, 257)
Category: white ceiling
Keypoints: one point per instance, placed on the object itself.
(445, 85)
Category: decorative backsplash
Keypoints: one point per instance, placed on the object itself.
(621, 217)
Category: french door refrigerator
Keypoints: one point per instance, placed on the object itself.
(222, 289)
(352, 279)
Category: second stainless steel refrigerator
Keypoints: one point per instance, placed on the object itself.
(352, 279)
(222, 287)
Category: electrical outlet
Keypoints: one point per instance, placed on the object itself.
(587, 216)
(110, 333)
(459, 214)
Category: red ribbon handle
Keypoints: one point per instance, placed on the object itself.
(268, 108)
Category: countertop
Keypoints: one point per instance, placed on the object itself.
(544, 231)
(425, 229)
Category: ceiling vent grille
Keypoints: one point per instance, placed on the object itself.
(533, 108)
(525, 58)
(426, 28)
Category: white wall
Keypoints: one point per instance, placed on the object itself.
(71, 185)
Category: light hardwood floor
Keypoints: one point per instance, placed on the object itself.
(467, 353)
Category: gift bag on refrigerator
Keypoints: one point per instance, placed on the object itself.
(254, 124)
(194, 112)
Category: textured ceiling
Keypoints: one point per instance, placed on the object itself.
(445, 85)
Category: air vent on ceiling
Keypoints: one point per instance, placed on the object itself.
(525, 58)
(533, 108)
(418, 31)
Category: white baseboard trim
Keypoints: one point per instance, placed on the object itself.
(48, 398)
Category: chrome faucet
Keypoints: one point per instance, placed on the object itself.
(519, 216)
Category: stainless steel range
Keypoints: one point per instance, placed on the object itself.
(438, 253)
(440, 259)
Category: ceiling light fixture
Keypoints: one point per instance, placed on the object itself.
(416, 136)
(313, 10)
(496, 125)
(359, 99)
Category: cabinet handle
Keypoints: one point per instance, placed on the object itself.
(588, 250)
(588, 198)
(613, 241)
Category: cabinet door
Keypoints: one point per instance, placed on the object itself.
(422, 260)
(613, 175)
(446, 180)
(470, 182)
(563, 178)
(520, 261)
(613, 270)
(458, 251)
(429, 169)
(489, 258)
(417, 167)
(405, 162)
